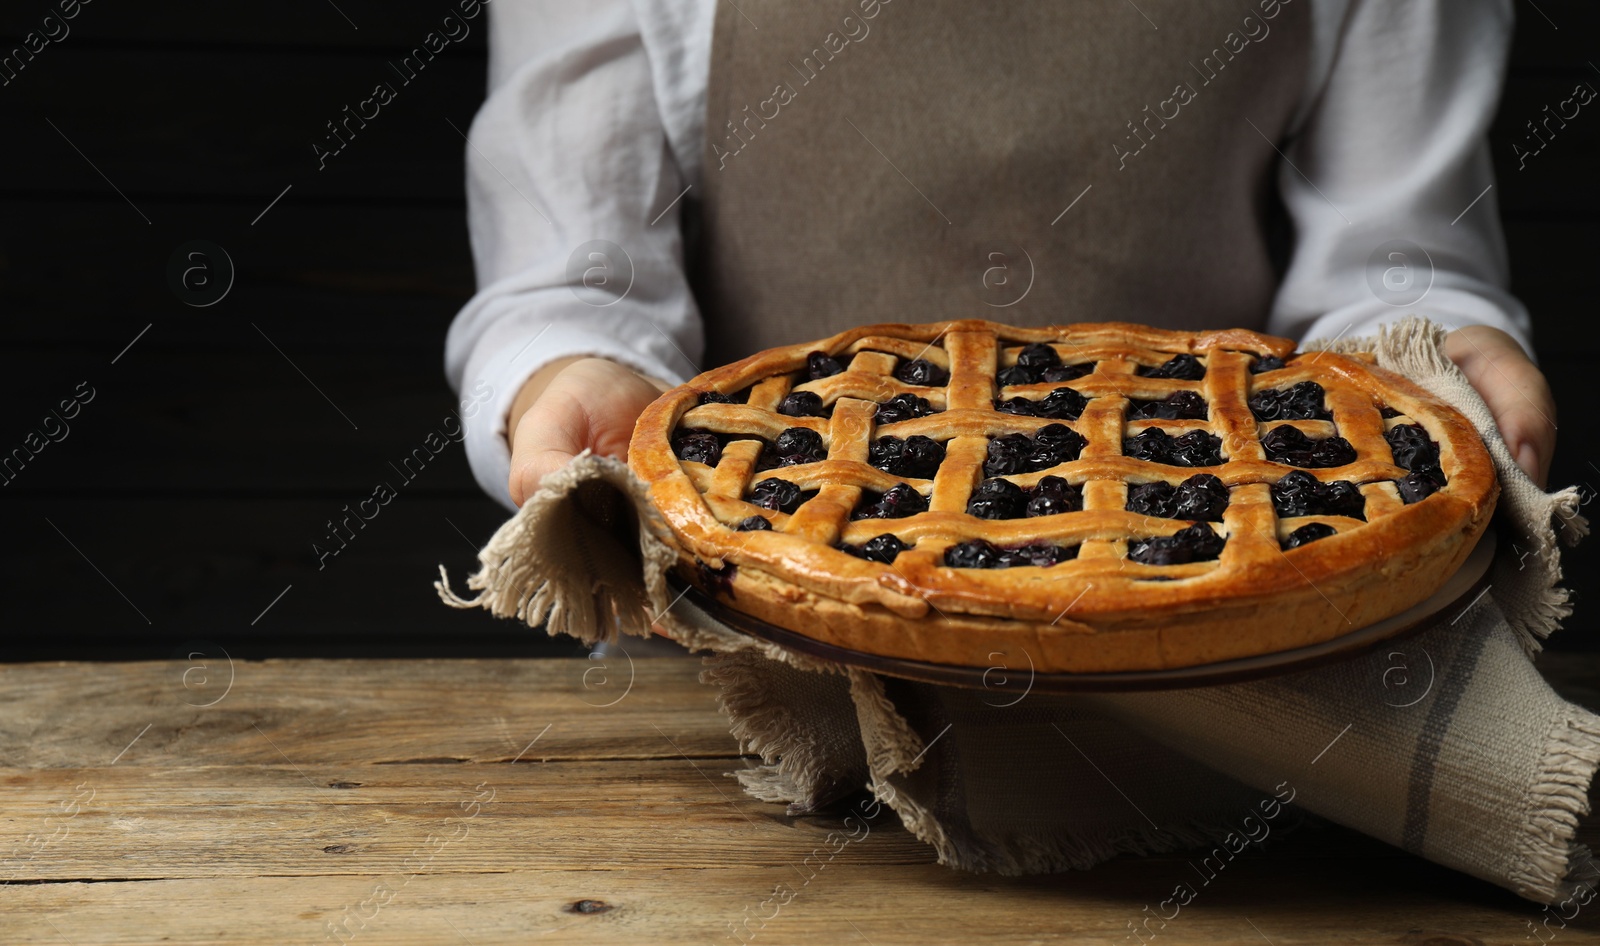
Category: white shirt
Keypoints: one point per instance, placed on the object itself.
(594, 126)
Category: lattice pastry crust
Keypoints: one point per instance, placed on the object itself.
(1085, 589)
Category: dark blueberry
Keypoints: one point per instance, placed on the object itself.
(1386, 412)
(798, 445)
(1300, 494)
(1038, 355)
(753, 524)
(1304, 401)
(1043, 555)
(973, 553)
(1197, 543)
(1200, 498)
(801, 404)
(1413, 449)
(698, 447)
(922, 372)
(902, 407)
(1334, 451)
(1007, 454)
(1059, 373)
(776, 494)
(1054, 444)
(1019, 406)
(885, 549)
(1343, 498)
(900, 501)
(1054, 495)
(1419, 484)
(1197, 448)
(1268, 363)
(821, 365)
(1017, 374)
(1151, 499)
(1297, 494)
(1288, 445)
(714, 397)
(1151, 444)
(997, 499)
(1179, 405)
(917, 456)
(1310, 532)
(1063, 404)
(1179, 367)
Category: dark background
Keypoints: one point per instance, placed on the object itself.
(189, 492)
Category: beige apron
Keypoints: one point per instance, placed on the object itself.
(1031, 163)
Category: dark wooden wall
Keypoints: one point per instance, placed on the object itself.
(188, 494)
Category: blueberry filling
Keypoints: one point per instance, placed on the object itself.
(1386, 412)
(977, 553)
(1289, 445)
(921, 372)
(900, 501)
(698, 447)
(793, 447)
(1039, 362)
(1202, 497)
(1301, 402)
(917, 456)
(778, 495)
(802, 404)
(1178, 367)
(1017, 453)
(885, 549)
(902, 407)
(821, 365)
(1197, 543)
(1060, 404)
(1003, 499)
(1301, 494)
(1179, 405)
(1416, 452)
(753, 524)
(1265, 364)
(716, 397)
(1195, 448)
(1310, 532)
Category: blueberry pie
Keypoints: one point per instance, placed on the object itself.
(1101, 497)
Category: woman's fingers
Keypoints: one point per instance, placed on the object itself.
(1515, 391)
(587, 404)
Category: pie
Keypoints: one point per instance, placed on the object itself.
(1099, 497)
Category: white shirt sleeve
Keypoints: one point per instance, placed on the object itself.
(1393, 150)
(568, 149)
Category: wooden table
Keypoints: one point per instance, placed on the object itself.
(556, 801)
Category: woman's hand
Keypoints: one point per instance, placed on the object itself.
(1515, 391)
(572, 405)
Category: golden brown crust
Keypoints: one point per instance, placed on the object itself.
(1099, 611)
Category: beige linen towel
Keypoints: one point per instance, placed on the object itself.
(1448, 744)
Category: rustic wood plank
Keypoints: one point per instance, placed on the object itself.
(284, 819)
(354, 714)
(1285, 901)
